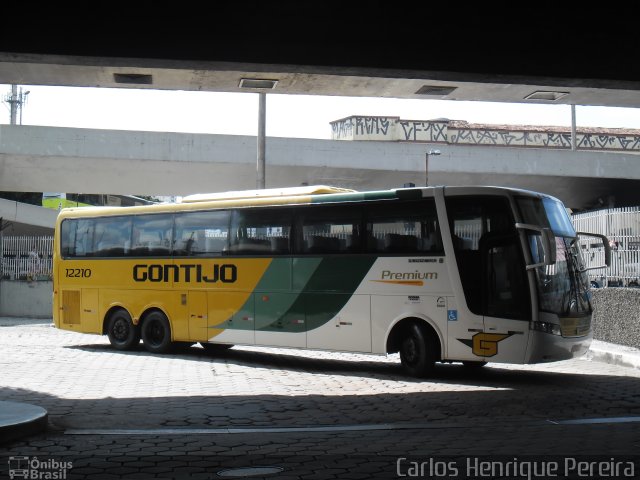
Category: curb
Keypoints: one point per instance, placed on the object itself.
(614, 354)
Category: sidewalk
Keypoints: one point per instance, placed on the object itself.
(614, 354)
(20, 419)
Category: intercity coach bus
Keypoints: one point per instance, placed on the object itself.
(436, 274)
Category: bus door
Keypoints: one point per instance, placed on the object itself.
(494, 281)
(507, 308)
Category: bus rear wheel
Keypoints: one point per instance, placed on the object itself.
(122, 333)
(156, 333)
(418, 351)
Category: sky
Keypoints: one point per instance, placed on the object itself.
(299, 116)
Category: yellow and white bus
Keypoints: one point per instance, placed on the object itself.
(449, 274)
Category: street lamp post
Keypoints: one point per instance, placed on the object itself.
(426, 165)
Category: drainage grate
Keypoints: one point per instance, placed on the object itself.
(249, 472)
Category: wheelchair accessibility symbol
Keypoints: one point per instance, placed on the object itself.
(452, 315)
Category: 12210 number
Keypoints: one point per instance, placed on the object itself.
(78, 272)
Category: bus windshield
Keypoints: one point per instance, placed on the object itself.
(562, 287)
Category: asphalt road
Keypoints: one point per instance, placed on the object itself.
(306, 414)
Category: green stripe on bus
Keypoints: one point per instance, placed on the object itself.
(277, 290)
(274, 304)
(325, 294)
(318, 290)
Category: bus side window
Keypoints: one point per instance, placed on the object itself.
(67, 238)
(77, 238)
(201, 233)
(112, 236)
(330, 229)
(152, 235)
(407, 228)
(260, 232)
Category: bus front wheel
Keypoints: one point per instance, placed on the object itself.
(418, 351)
(122, 333)
(156, 333)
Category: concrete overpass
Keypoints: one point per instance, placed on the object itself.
(151, 163)
(434, 50)
(430, 51)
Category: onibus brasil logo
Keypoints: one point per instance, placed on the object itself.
(33, 468)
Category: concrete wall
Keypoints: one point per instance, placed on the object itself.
(617, 316)
(26, 299)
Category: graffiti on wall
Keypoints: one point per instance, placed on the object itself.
(608, 142)
(423, 131)
(364, 128)
(523, 138)
(469, 136)
(373, 125)
(342, 129)
(462, 133)
(388, 129)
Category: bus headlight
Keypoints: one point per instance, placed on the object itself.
(547, 327)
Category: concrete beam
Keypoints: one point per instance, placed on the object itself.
(32, 215)
(301, 78)
(158, 163)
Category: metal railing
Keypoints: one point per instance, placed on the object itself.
(26, 258)
(622, 228)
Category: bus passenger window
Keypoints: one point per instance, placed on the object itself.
(112, 236)
(260, 232)
(151, 235)
(67, 237)
(201, 233)
(410, 228)
(76, 238)
(330, 230)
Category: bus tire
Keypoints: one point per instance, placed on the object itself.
(156, 333)
(418, 351)
(215, 347)
(122, 333)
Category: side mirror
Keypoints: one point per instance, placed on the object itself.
(548, 241)
(607, 249)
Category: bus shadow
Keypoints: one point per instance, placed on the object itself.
(492, 375)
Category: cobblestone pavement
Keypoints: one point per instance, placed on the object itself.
(315, 415)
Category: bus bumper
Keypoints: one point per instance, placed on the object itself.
(545, 347)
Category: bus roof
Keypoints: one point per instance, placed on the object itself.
(268, 192)
(284, 196)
